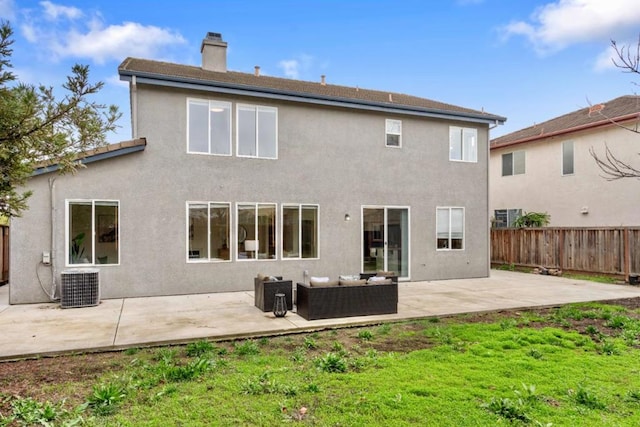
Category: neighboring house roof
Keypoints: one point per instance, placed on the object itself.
(97, 154)
(617, 110)
(187, 76)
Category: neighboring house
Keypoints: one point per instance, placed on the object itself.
(548, 168)
(232, 174)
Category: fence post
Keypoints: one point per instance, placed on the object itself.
(627, 253)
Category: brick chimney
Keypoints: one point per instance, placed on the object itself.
(214, 53)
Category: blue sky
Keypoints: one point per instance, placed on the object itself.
(527, 60)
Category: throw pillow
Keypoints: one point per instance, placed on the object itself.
(326, 284)
(352, 282)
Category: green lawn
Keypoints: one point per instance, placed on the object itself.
(574, 366)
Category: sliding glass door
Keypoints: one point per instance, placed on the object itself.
(385, 240)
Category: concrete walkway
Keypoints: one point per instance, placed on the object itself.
(46, 329)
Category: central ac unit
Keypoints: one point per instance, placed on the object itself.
(79, 288)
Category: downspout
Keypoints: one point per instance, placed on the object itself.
(134, 107)
(53, 260)
(495, 125)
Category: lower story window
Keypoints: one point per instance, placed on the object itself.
(450, 228)
(256, 231)
(208, 234)
(92, 232)
(504, 218)
(299, 231)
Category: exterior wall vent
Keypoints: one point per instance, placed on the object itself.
(79, 288)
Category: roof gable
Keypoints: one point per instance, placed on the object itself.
(617, 110)
(300, 90)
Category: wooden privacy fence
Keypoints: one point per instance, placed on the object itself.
(4, 253)
(606, 250)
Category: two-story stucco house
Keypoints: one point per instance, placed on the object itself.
(549, 168)
(232, 174)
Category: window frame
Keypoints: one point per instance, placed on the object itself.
(466, 156)
(256, 207)
(388, 130)
(300, 206)
(573, 158)
(188, 231)
(449, 228)
(513, 163)
(67, 231)
(511, 214)
(257, 109)
(211, 103)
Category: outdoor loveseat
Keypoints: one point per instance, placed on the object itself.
(351, 298)
(265, 289)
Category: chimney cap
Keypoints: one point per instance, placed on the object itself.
(214, 36)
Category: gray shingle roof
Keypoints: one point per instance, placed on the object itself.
(619, 109)
(101, 153)
(304, 89)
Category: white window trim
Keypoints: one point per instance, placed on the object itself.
(211, 103)
(513, 163)
(386, 209)
(462, 131)
(573, 158)
(257, 108)
(464, 228)
(387, 132)
(93, 231)
(235, 231)
(299, 206)
(230, 240)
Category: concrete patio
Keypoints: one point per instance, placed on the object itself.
(46, 329)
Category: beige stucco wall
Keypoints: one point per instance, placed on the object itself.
(543, 188)
(332, 157)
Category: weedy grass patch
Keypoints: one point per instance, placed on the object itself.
(523, 368)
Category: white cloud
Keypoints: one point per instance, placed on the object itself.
(54, 11)
(58, 31)
(290, 68)
(557, 25)
(604, 60)
(298, 67)
(7, 9)
(116, 42)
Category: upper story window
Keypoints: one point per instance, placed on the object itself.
(257, 131)
(208, 232)
(393, 133)
(450, 228)
(463, 144)
(299, 231)
(92, 232)
(567, 158)
(209, 127)
(513, 163)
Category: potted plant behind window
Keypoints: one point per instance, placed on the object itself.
(77, 248)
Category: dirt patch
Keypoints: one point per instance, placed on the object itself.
(72, 376)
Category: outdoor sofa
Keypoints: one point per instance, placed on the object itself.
(347, 298)
(265, 289)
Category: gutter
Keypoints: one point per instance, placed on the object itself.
(262, 92)
(586, 126)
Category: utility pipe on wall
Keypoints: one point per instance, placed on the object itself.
(54, 286)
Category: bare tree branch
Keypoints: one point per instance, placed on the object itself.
(612, 167)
